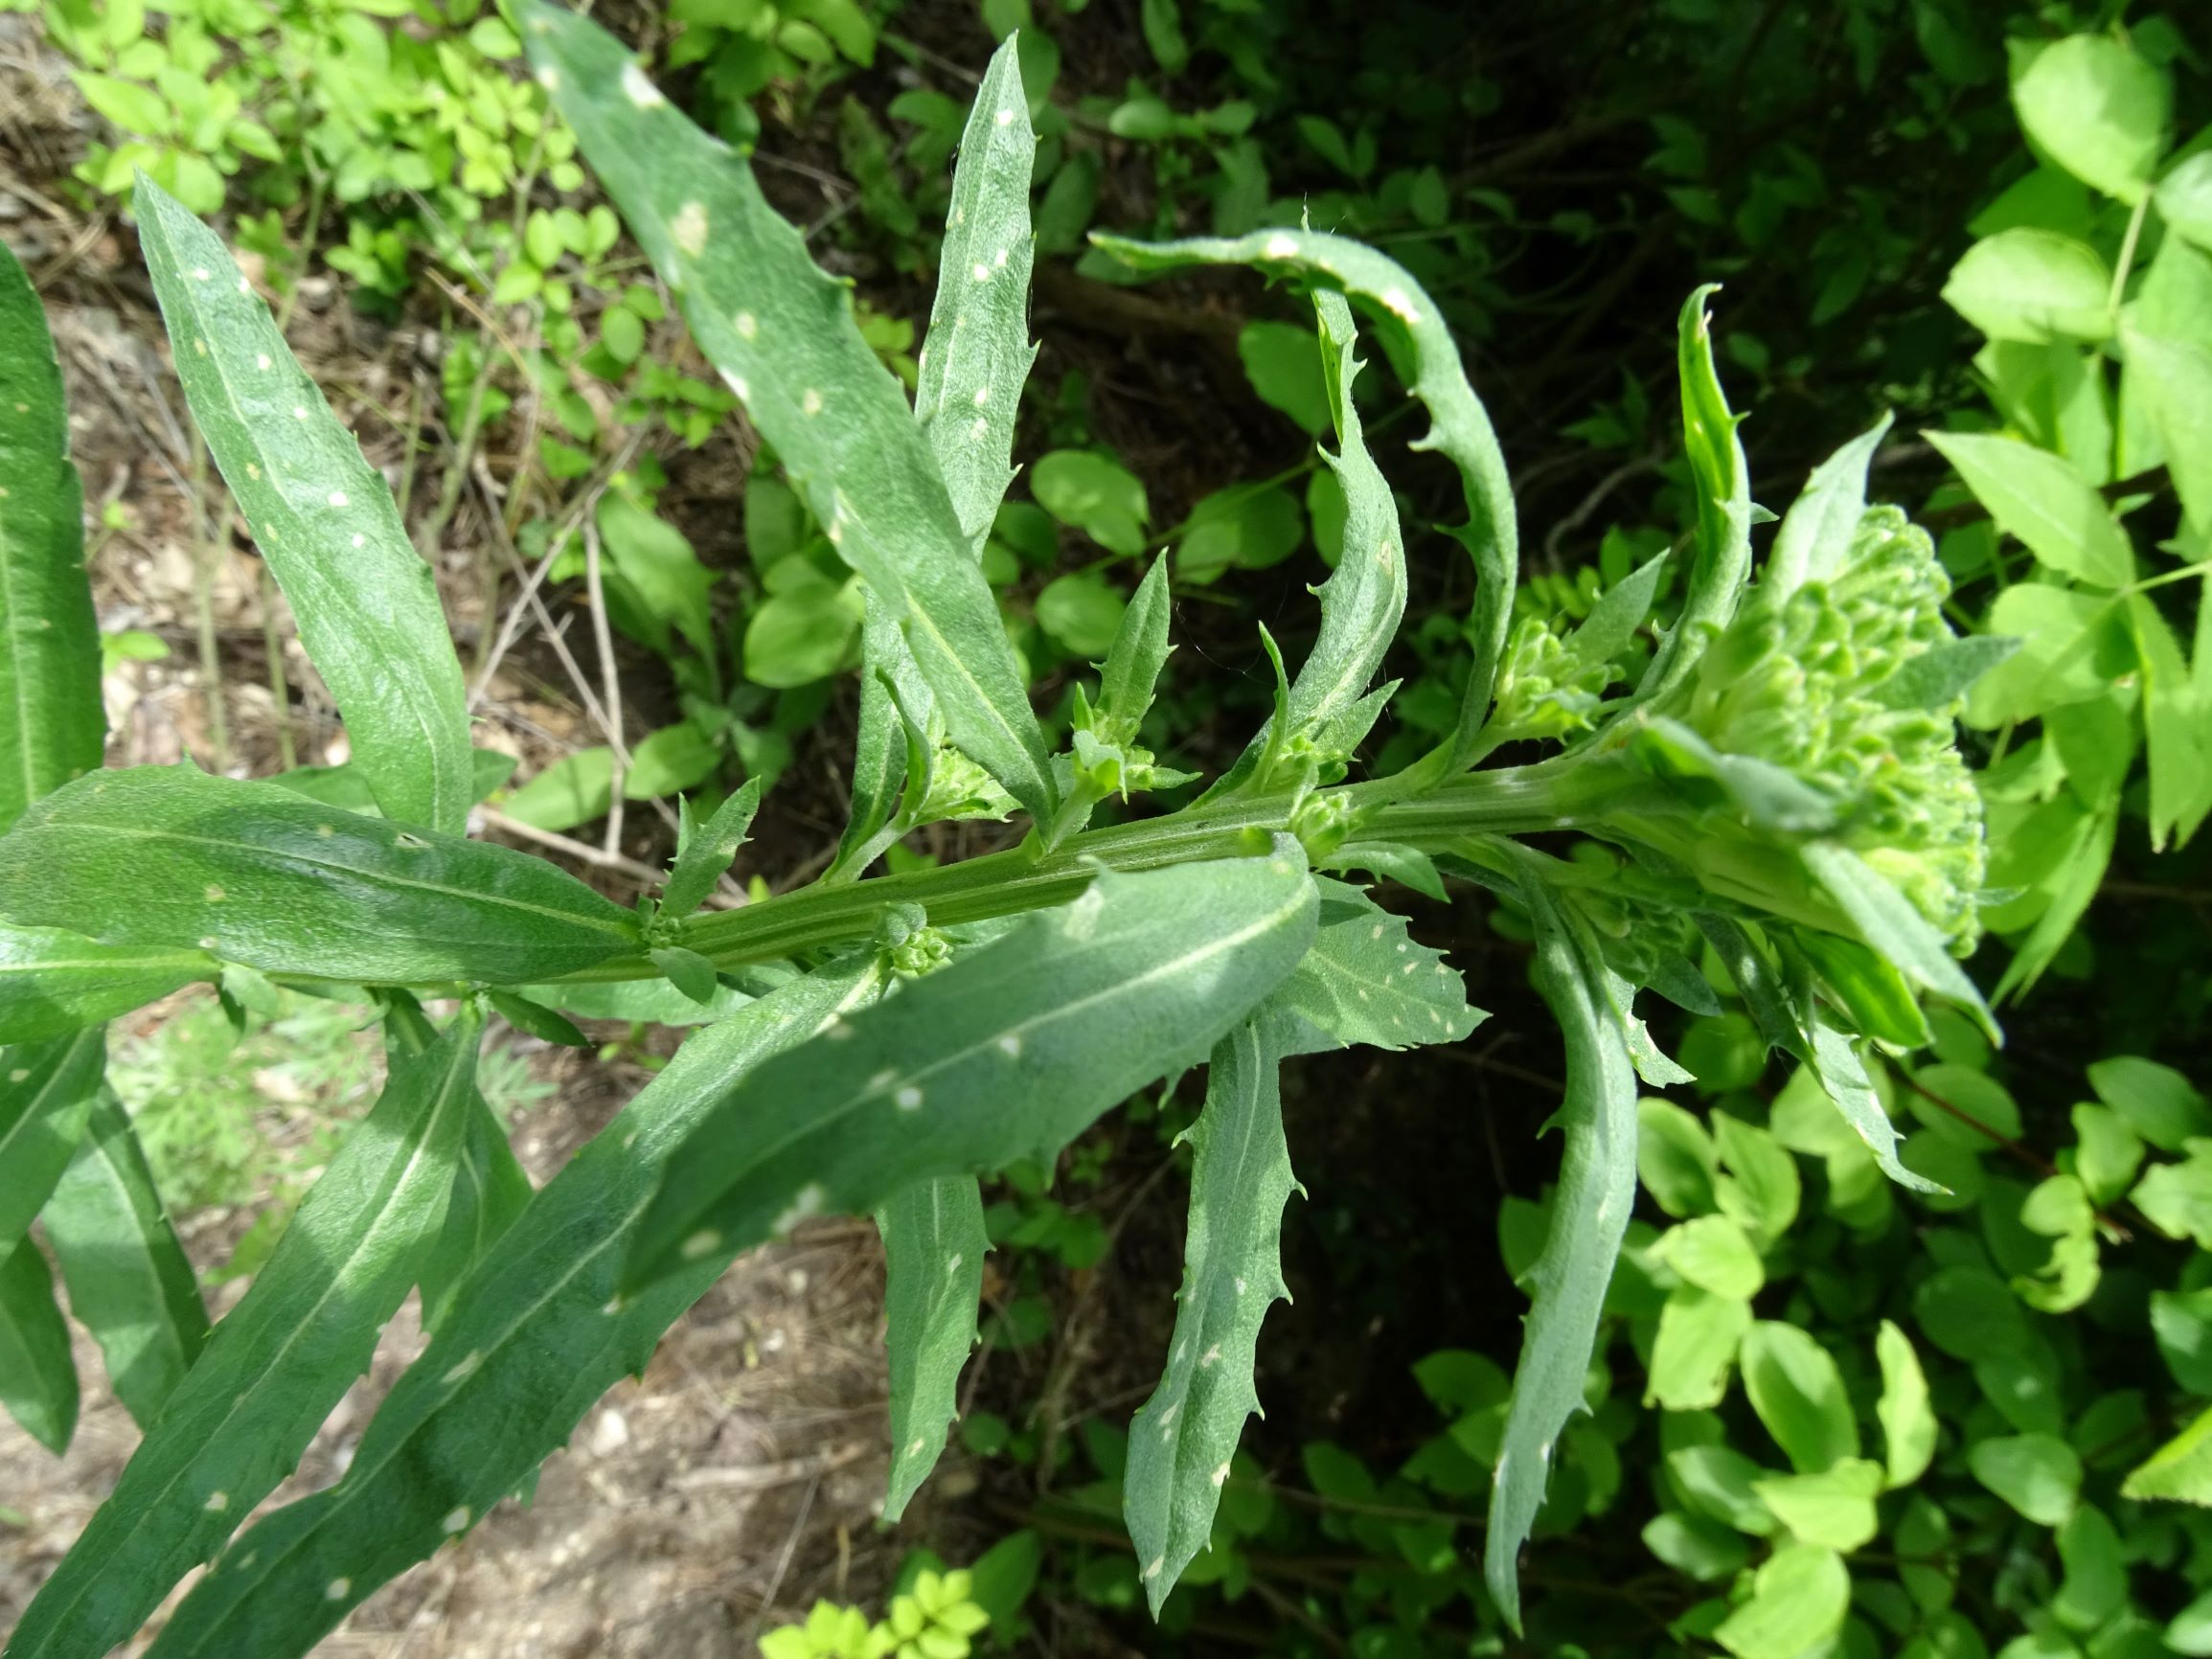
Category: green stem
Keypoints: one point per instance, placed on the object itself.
(2127, 259)
(1515, 800)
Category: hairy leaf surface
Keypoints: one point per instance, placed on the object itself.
(707, 850)
(37, 1377)
(933, 1248)
(1007, 1052)
(1181, 1442)
(129, 1280)
(166, 855)
(274, 1368)
(325, 522)
(1816, 532)
(535, 1335)
(1597, 1189)
(1365, 980)
(46, 1093)
(979, 354)
(51, 725)
(1462, 431)
(782, 332)
(54, 982)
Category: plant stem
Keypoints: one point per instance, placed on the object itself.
(2126, 260)
(205, 553)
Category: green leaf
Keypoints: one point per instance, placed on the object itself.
(1716, 1481)
(1461, 431)
(2098, 109)
(782, 332)
(2184, 198)
(1139, 652)
(2177, 724)
(1797, 1603)
(1939, 676)
(165, 855)
(2095, 1587)
(2038, 1474)
(2156, 1102)
(800, 635)
(1816, 532)
(53, 727)
(365, 603)
(46, 1094)
(1695, 1547)
(2033, 285)
(547, 1025)
(670, 760)
(655, 561)
(1843, 1080)
(706, 849)
(1798, 1394)
(933, 1248)
(490, 1189)
(977, 355)
(574, 789)
(346, 788)
(1619, 611)
(1968, 1313)
(885, 743)
(130, 1283)
(1597, 1189)
(274, 1368)
(688, 971)
(2066, 653)
(37, 1378)
(2174, 379)
(1908, 1425)
(2182, 1320)
(1833, 1509)
(1095, 494)
(2179, 1470)
(1695, 1349)
(53, 982)
(2039, 498)
(1286, 373)
(1675, 1158)
(534, 1338)
(1244, 527)
(1714, 1254)
(1184, 1436)
(1890, 925)
(1081, 613)
(1365, 980)
(1004, 1054)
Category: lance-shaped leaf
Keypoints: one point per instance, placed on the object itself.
(46, 1092)
(1008, 1053)
(37, 1378)
(1461, 431)
(166, 855)
(51, 724)
(892, 738)
(1366, 980)
(782, 332)
(1181, 1442)
(979, 354)
(1139, 652)
(706, 849)
(129, 1282)
(1723, 489)
(1816, 535)
(1597, 1188)
(325, 523)
(1360, 603)
(1888, 923)
(533, 1339)
(933, 1248)
(274, 1368)
(1789, 1022)
(54, 982)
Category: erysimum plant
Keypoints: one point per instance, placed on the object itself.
(1780, 785)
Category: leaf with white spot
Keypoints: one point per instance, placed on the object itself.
(1367, 981)
(51, 725)
(274, 1368)
(46, 1091)
(1183, 1440)
(1461, 432)
(325, 523)
(781, 331)
(531, 1341)
(933, 1247)
(169, 856)
(52, 982)
(1597, 1188)
(37, 1378)
(977, 355)
(1009, 1051)
(129, 1282)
